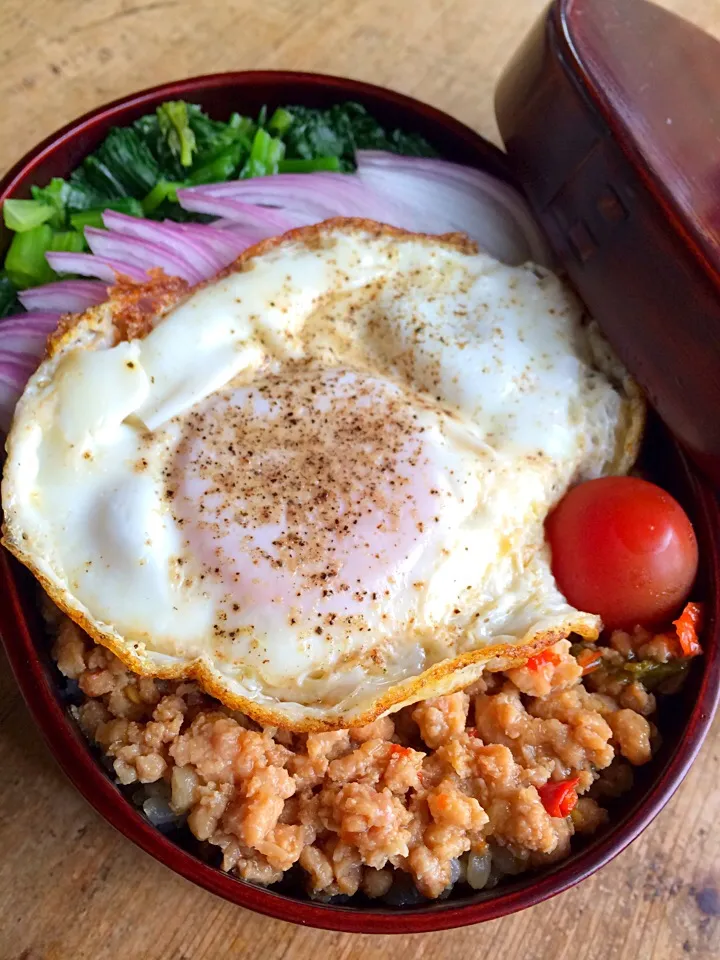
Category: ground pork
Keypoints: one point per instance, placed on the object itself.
(413, 794)
(441, 718)
(559, 670)
(556, 736)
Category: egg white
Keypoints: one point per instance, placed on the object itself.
(318, 483)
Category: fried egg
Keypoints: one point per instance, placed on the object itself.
(318, 483)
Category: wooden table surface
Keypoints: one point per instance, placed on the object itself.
(70, 887)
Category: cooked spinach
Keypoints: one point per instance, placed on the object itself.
(342, 130)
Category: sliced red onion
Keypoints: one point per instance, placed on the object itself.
(449, 196)
(66, 296)
(445, 170)
(298, 196)
(17, 367)
(424, 195)
(229, 234)
(228, 243)
(141, 254)
(15, 371)
(87, 265)
(43, 322)
(14, 374)
(28, 343)
(23, 338)
(9, 396)
(197, 251)
(258, 218)
(204, 245)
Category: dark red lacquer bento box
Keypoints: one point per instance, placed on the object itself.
(605, 112)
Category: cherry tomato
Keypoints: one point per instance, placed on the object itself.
(623, 548)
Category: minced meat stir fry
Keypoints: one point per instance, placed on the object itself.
(466, 788)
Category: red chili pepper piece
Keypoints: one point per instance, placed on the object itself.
(559, 797)
(589, 660)
(545, 656)
(688, 625)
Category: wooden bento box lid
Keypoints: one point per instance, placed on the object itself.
(610, 113)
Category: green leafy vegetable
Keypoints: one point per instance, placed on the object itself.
(21, 215)
(175, 127)
(265, 155)
(138, 170)
(148, 130)
(406, 144)
(68, 241)
(123, 165)
(309, 166)
(55, 194)
(89, 218)
(25, 262)
(82, 194)
(649, 672)
(342, 130)
(93, 217)
(222, 167)
(9, 302)
(213, 135)
(96, 182)
(280, 122)
(318, 133)
(103, 178)
(163, 190)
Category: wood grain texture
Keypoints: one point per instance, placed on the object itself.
(70, 887)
